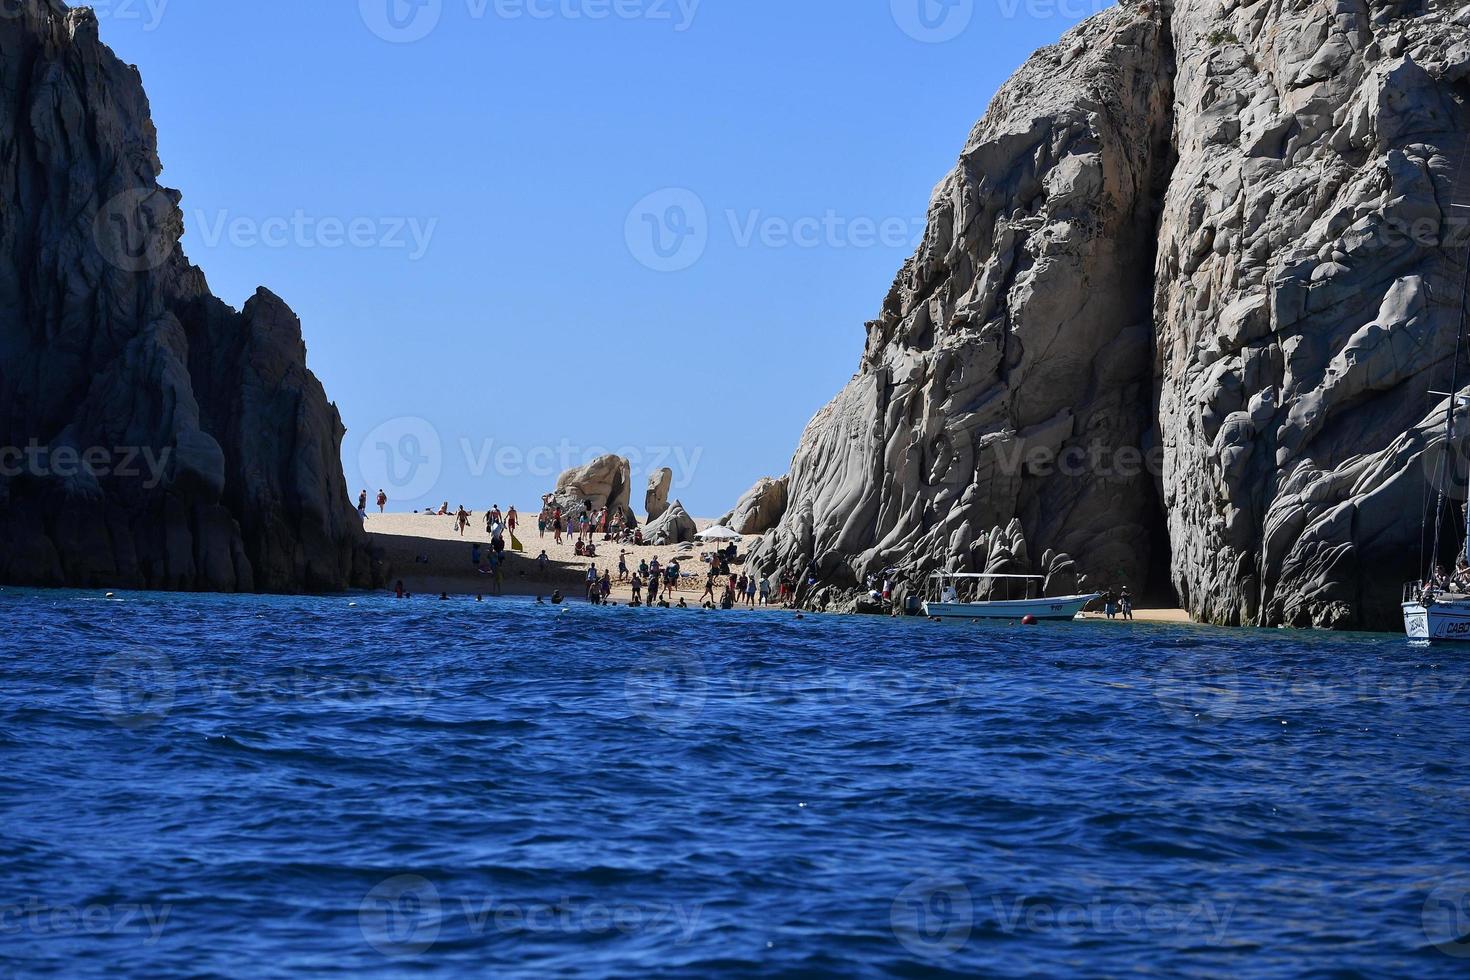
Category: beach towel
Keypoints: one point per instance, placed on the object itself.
(515, 543)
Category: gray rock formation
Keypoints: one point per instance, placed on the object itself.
(674, 527)
(761, 507)
(604, 482)
(1173, 321)
(150, 436)
(656, 500)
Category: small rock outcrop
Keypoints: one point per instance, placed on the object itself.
(604, 482)
(674, 527)
(1173, 322)
(760, 508)
(150, 436)
(656, 500)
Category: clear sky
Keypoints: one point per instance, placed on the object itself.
(519, 232)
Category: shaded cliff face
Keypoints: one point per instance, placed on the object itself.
(1174, 322)
(151, 435)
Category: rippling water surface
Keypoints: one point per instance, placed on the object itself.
(197, 785)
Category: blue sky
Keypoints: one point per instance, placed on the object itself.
(476, 205)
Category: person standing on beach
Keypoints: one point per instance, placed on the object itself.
(362, 505)
(512, 520)
(382, 502)
(1125, 605)
(556, 528)
(622, 566)
(765, 589)
(543, 563)
(637, 590)
(750, 588)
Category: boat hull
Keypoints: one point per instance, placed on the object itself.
(1437, 622)
(1065, 607)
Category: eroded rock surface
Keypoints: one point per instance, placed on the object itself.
(604, 482)
(1174, 319)
(675, 526)
(760, 508)
(656, 499)
(152, 437)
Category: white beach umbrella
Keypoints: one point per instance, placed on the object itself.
(719, 533)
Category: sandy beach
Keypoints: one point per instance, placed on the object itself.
(409, 538)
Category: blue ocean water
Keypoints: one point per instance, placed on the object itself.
(200, 785)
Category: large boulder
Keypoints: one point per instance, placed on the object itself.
(210, 457)
(760, 509)
(656, 500)
(674, 527)
(604, 482)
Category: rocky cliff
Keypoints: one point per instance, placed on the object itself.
(1173, 323)
(150, 435)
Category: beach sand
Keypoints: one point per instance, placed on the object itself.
(1146, 616)
(407, 537)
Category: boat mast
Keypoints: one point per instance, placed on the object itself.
(1449, 421)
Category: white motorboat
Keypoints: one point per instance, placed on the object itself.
(955, 595)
